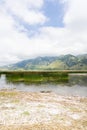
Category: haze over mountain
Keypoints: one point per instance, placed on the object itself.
(63, 62)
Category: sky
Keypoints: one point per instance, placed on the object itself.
(32, 28)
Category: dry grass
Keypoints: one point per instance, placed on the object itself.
(49, 126)
(42, 111)
(45, 126)
(8, 94)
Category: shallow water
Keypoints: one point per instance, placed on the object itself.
(77, 86)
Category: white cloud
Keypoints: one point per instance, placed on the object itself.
(76, 15)
(75, 21)
(26, 10)
(15, 45)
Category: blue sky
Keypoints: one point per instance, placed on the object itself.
(55, 12)
(32, 28)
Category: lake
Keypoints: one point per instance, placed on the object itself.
(72, 84)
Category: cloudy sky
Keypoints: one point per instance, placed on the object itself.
(31, 28)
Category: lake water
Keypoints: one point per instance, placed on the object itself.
(77, 86)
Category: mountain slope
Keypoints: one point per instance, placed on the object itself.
(64, 62)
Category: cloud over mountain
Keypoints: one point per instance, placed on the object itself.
(24, 32)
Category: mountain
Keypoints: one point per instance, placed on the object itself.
(64, 62)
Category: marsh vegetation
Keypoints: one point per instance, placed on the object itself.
(61, 82)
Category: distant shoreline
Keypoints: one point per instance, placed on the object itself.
(21, 71)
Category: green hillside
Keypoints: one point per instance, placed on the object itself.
(64, 62)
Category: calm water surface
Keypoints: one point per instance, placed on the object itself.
(77, 86)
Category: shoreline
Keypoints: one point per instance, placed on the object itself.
(41, 111)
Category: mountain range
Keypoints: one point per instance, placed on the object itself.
(63, 62)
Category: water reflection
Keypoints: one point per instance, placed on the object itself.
(76, 85)
(78, 79)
